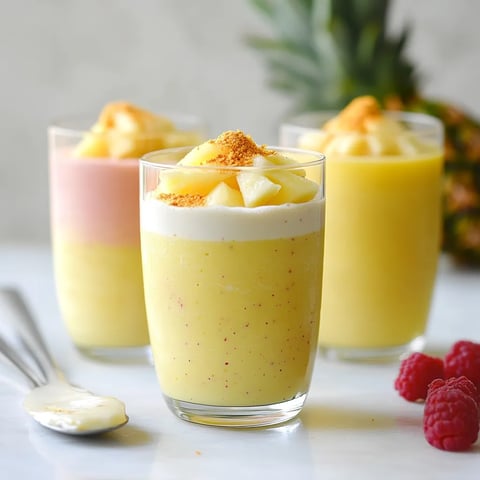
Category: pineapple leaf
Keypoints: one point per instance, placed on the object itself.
(263, 6)
(367, 11)
(289, 19)
(324, 46)
(326, 52)
(288, 56)
(368, 43)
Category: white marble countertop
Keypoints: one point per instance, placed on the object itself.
(354, 425)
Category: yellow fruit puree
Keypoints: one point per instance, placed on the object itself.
(382, 242)
(233, 323)
(100, 292)
(382, 228)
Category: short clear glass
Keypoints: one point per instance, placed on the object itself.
(94, 207)
(382, 241)
(232, 295)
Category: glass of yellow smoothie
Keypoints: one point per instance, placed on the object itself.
(232, 250)
(94, 201)
(382, 227)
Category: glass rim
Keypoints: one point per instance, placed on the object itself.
(318, 161)
(64, 125)
(430, 124)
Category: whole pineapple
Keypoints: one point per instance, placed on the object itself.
(324, 53)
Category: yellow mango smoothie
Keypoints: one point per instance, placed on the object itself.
(232, 248)
(94, 193)
(382, 235)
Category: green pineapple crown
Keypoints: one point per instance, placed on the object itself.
(324, 53)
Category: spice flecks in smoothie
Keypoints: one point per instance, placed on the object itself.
(266, 339)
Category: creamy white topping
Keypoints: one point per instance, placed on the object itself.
(63, 407)
(219, 223)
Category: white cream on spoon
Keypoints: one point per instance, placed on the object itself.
(67, 409)
(53, 402)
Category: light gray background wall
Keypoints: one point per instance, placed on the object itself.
(66, 56)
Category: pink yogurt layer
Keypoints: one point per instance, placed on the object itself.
(95, 200)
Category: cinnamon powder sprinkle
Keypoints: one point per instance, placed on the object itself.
(239, 149)
(182, 200)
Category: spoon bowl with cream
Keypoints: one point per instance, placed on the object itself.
(52, 401)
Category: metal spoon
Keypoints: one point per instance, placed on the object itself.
(52, 401)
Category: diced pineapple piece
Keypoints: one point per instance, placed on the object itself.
(352, 144)
(125, 122)
(157, 123)
(277, 160)
(191, 182)
(384, 126)
(93, 146)
(128, 118)
(262, 162)
(256, 189)
(316, 140)
(383, 145)
(294, 189)
(407, 146)
(333, 146)
(382, 136)
(123, 145)
(222, 194)
(202, 154)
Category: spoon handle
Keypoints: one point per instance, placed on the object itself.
(10, 356)
(26, 332)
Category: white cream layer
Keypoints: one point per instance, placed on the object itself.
(218, 223)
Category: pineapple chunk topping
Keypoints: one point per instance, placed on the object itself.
(361, 128)
(213, 179)
(256, 189)
(124, 130)
(222, 194)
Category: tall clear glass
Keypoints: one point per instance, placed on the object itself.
(232, 294)
(94, 203)
(382, 240)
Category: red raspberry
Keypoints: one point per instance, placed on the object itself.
(450, 419)
(464, 359)
(462, 383)
(416, 372)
